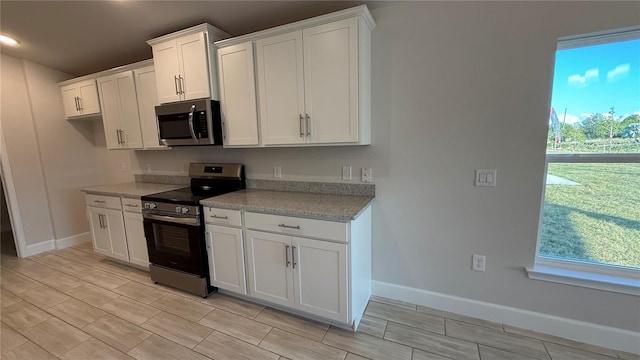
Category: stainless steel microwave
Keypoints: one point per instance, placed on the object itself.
(192, 122)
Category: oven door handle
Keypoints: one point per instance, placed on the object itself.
(174, 219)
(193, 133)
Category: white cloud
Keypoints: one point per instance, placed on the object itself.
(581, 80)
(570, 119)
(619, 72)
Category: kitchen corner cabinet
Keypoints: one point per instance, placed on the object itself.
(238, 95)
(225, 249)
(120, 111)
(314, 85)
(145, 80)
(184, 64)
(80, 98)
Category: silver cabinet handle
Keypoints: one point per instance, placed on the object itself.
(104, 220)
(75, 99)
(121, 136)
(79, 103)
(99, 201)
(175, 83)
(118, 136)
(286, 255)
(220, 217)
(293, 256)
(297, 227)
(101, 221)
(301, 131)
(131, 205)
(308, 124)
(181, 83)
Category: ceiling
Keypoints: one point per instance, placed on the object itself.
(84, 37)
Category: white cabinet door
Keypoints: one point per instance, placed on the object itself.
(136, 242)
(99, 234)
(269, 266)
(331, 81)
(70, 100)
(193, 58)
(110, 111)
(88, 94)
(120, 111)
(131, 135)
(117, 235)
(167, 68)
(225, 248)
(320, 278)
(238, 95)
(281, 89)
(107, 232)
(147, 94)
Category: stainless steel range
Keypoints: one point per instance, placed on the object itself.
(174, 227)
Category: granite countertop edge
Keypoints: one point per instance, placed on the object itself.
(336, 213)
(130, 190)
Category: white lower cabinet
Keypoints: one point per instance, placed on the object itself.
(117, 229)
(304, 274)
(225, 248)
(136, 242)
(107, 232)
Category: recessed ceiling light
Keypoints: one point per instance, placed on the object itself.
(7, 40)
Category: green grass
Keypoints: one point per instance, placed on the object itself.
(597, 221)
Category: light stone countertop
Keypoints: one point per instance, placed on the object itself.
(133, 190)
(311, 205)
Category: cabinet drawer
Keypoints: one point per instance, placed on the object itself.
(321, 229)
(222, 216)
(132, 205)
(110, 202)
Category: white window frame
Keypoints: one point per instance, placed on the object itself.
(582, 273)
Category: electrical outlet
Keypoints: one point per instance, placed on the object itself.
(478, 262)
(367, 175)
(486, 177)
(346, 172)
(277, 171)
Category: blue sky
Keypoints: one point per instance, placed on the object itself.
(592, 79)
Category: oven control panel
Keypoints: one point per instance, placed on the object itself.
(168, 208)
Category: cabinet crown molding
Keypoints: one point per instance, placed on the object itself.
(361, 11)
(214, 32)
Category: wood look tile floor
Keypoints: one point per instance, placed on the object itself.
(75, 304)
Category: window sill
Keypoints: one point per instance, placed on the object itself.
(578, 274)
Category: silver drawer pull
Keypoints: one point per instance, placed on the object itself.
(132, 205)
(220, 217)
(297, 227)
(99, 201)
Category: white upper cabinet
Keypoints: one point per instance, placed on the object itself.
(80, 98)
(281, 89)
(120, 111)
(184, 65)
(238, 95)
(147, 95)
(313, 80)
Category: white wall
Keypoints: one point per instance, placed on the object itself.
(456, 86)
(51, 158)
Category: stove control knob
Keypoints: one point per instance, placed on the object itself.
(185, 210)
(151, 206)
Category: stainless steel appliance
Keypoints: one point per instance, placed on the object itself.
(174, 227)
(193, 122)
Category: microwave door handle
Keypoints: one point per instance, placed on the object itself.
(193, 133)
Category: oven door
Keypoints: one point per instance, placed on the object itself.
(175, 245)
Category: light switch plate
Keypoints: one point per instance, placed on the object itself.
(486, 177)
(346, 172)
(277, 172)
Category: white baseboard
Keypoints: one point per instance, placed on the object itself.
(73, 240)
(40, 247)
(610, 337)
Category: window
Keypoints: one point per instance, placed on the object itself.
(590, 219)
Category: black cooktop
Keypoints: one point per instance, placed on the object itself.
(186, 196)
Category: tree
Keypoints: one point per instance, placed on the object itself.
(631, 131)
(595, 127)
(631, 119)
